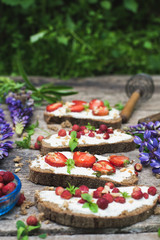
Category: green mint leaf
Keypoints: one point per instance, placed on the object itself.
(43, 236)
(90, 127)
(97, 173)
(25, 143)
(72, 189)
(86, 197)
(159, 232)
(125, 194)
(119, 106)
(21, 231)
(73, 134)
(25, 237)
(73, 144)
(86, 106)
(93, 207)
(20, 223)
(31, 228)
(70, 165)
(85, 205)
(107, 104)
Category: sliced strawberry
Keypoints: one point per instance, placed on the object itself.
(56, 159)
(104, 167)
(95, 103)
(52, 107)
(79, 102)
(76, 108)
(84, 159)
(100, 111)
(119, 161)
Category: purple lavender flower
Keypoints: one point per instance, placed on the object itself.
(21, 110)
(147, 137)
(5, 132)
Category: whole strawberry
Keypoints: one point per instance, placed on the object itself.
(32, 221)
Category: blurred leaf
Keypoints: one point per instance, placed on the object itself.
(36, 37)
(148, 45)
(131, 5)
(23, 3)
(63, 39)
(106, 5)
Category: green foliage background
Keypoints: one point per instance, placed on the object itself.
(76, 38)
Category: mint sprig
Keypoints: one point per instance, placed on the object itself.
(119, 106)
(71, 189)
(125, 194)
(90, 127)
(107, 104)
(89, 204)
(23, 230)
(86, 106)
(70, 165)
(26, 142)
(73, 142)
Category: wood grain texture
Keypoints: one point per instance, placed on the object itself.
(106, 88)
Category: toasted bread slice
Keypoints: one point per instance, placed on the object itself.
(118, 141)
(71, 213)
(45, 174)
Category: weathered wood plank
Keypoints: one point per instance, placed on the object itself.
(112, 89)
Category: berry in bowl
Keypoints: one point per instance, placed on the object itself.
(10, 186)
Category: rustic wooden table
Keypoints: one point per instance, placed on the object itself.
(109, 88)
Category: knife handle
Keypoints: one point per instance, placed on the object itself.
(129, 107)
(150, 118)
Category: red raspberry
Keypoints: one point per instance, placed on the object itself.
(76, 128)
(97, 194)
(1, 179)
(8, 177)
(32, 221)
(81, 201)
(59, 190)
(8, 188)
(120, 199)
(109, 197)
(110, 184)
(2, 173)
(137, 195)
(102, 203)
(37, 146)
(109, 130)
(106, 136)
(77, 193)
(100, 189)
(91, 134)
(1, 185)
(66, 194)
(115, 190)
(84, 189)
(62, 133)
(103, 128)
(138, 167)
(39, 139)
(99, 131)
(20, 200)
(78, 134)
(135, 189)
(81, 132)
(82, 128)
(152, 191)
(145, 195)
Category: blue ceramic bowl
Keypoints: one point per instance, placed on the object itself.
(9, 201)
